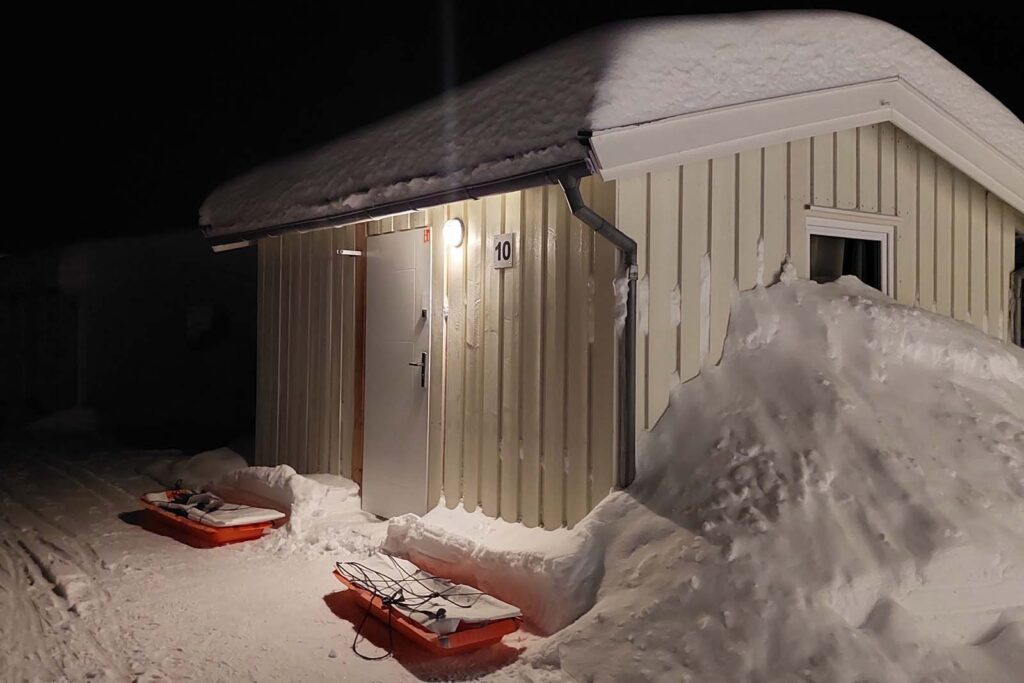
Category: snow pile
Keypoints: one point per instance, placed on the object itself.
(526, 117)
(282, 488)
(552, 576)
(197, 472)
(841, 499)
(324, 510)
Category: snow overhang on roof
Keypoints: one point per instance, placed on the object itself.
(647, 94)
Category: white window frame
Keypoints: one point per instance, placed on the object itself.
(872, 232)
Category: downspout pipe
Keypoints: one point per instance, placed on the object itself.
(626, 465)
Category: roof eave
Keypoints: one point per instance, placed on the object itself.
(629, 150)
(545, 176)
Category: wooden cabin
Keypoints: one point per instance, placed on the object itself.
(439, 319)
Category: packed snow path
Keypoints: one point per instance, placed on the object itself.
(48, 588)
(85, 593)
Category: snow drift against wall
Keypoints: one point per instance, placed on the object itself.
(526, 117)
(196, 472)
(530, 567)
(841, 499)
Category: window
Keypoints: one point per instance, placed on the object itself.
(840, 247)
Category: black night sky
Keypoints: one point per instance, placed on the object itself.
(130, 116)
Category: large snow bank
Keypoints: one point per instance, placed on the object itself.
(526, 117)
(841, 499)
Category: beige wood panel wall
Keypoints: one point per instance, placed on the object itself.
(522, 367)
(306, 389)
(710, 228)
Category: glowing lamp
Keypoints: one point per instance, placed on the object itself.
(453, 232)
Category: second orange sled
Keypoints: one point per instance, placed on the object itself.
(466, 637)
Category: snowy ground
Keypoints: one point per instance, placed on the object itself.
(86, 593)
(842, 499)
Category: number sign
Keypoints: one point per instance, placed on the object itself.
(503, 253)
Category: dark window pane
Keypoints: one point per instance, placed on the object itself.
(833, 257)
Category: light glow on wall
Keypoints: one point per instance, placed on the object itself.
(453, 232)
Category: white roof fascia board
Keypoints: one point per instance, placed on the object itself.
(930, 125)
(630, 150)
(621, 152)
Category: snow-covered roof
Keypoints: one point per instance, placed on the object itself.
(527, 116)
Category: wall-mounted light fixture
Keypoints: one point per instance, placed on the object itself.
(453, 232)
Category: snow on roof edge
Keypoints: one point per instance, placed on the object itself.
(618, 75)
(411, 190)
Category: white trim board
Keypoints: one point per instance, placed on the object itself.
(631, 150)
(812, 210)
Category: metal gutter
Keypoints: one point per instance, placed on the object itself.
(626, 470)
(546, 176)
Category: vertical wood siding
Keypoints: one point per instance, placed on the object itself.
(522, 373)
(522, 377)
(743, 214)
(307, 308)
(577, 369)
(604, 267)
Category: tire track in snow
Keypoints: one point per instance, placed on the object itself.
(113, 498)
(21, 629)
(38, 528)
(58, 623)
(66, 474)
(74, 472)
(20, 626)
(84, 469)
(44, 637)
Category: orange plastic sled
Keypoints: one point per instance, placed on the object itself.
(467, 638)
(190, 532)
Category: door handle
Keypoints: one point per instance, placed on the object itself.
(422, 365)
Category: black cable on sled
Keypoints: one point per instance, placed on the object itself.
(397, 591)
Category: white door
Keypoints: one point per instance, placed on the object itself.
(396, 373)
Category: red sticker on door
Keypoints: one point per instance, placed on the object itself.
(426, 234)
